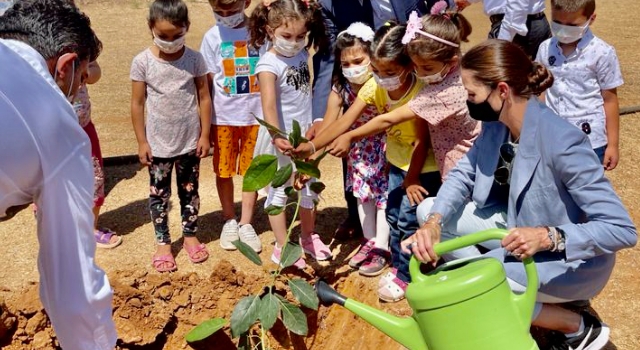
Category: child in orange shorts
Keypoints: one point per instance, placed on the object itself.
(236, 95)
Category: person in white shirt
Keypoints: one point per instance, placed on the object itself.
(46, 160)
(521, 21)
(587, 76)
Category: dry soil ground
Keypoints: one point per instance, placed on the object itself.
(154, 311)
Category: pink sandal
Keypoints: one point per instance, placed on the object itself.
(193, 251)
(159, 260)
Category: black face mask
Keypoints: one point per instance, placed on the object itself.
(483, 111)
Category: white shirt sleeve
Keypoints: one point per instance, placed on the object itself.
(73, 290)
(515, 20)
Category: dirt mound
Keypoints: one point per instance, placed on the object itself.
(154, 311)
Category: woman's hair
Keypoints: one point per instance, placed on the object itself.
(450, 26)
(496, 61)
(279, 12)
(343, 42)
(387, 45)
(174, 11)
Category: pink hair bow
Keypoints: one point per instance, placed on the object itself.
(439, 7)
(414, 25)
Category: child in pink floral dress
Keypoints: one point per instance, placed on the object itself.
(105, 238)
(366, 162)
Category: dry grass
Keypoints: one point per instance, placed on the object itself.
(122, 26)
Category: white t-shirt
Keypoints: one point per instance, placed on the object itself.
(233, 63)
(173, 116)
(293, 87)
(49, 163)
(515, 15)
(576, 93)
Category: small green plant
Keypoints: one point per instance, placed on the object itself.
(269, 305)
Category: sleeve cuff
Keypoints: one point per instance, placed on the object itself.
(506, 33)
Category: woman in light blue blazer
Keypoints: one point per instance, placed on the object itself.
(535, 174)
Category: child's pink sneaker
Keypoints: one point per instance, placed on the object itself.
(277, 253)
(393, 291)
(314, 246)
(378, 260)
(389, 276)
(362, 255)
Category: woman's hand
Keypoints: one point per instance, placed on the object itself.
(204, 144)
(144, 154)
(422, 242)
(283, 145)
(340, 146)
(415, 192)
(304, 150)
(524, 242)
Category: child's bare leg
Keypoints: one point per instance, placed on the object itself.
(307, 222)
(225, 191)
(249, 200)
(279, 227)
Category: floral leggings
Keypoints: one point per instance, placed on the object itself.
(187, 173)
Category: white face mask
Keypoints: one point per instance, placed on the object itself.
(358, 74)
(230, 21)
(568, 34)
(169, 47)
(433, 78)
(288, 48)
(390, 83)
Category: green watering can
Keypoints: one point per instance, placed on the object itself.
(462, 305)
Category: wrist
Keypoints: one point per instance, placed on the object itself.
(433, 219)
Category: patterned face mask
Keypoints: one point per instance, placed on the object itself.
(358, 74)
(288, 48)
(169, 47)
(230, 21)
(389, 83)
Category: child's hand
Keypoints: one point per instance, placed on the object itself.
(462, 4)
(304, 150)
(611, 158)
(144, 154)
(204, 144)
(283, 145)
(415, 192)
(340, 146)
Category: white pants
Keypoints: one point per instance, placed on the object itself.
(374, 223)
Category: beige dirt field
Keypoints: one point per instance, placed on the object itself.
(154, 311)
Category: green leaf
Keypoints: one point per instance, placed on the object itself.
(289, 191)
(317, 160)
(270, 127)
(307, 168)
(282, 176)
(293, 318)
(248, 252)
(244, 314)
(273, 210)
(317, 187)
(290, 254)
(269, 309)
(260, 172)
(304, 292)
(205, 329)
(296, 134)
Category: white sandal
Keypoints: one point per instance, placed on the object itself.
(387, 277)
(392, 291)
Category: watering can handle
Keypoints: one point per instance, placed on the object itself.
(525, 300)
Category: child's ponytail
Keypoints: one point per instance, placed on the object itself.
(258, 25)
(318, 37)
(439, 35)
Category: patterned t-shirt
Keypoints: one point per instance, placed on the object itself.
(173, 117)
(293, 87)
(451, 129)
(236, 92)
(576, 93)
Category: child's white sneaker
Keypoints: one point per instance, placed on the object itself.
(229, 234)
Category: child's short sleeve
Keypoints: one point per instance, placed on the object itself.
(367, 93)
(200, 66)
(268, 63)
(436, 106)
(209, 50)
(138, 68)
(608, 69)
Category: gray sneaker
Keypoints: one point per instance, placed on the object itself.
(229, 234)
(249, 236)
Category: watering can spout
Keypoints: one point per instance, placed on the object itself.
(403, 330)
